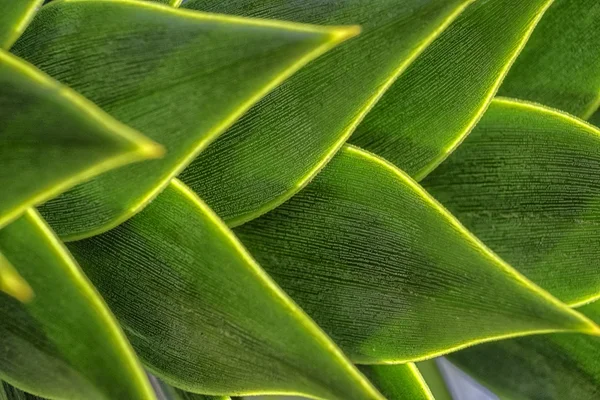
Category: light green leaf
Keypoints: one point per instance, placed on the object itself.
(64, 343)
(203, 315)
(172, 3)
(388, 273)
(425, 115)
(434, 379)
(281, 143)
(527, 183)
(398, 382)
(559, 65)
(548, 367)
(52, 138)
(172, 393)
(194, 75)
(15, 15)
(12, 283)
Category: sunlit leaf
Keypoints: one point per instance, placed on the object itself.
(64, 343)
(398, 382)
(52, 138)
(435, 381)
(431, 108)
(15, 15)
(190, 77)
(527, 183)
(559, 65)
(549, 367)
(282, 142)
(203, 315)
(12, 283)
(388, 273)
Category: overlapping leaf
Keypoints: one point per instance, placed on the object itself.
(388, 273)
(8, 392)
(64, 343)
(202, 314)
(172, 393)
(559, 65)
(431, 108)
(181, 77)
(526, 182)
(282, 142)
(52, 138)
(435, 380)
(14, 18)
(549, 367)
(12, 283)
(398, 382)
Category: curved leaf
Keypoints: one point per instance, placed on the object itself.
(559, 65)
(8, 392)
(202, 314)
(549, 367)
(282, 142)
(425, 115)
(220, 65)
(64, 343)
(398, 382)
(388, 273)
(527, 183)
(12, 283)
(172, 393)
(14, 18)
(78, 140)
(432, 375)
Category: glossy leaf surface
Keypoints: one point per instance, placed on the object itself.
(64, 343)
(14, 18)
(282, 142)
(425, 115)
(202, 314)
(388, 273)
(398, 382)
(559, 65)
(220, 65)
(527, 183)
(549, 367)
(76, 142)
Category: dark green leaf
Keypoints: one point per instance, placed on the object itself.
(425, 115)
(559, 65)
(77, 141)
(527, 183)
(203, 315)
(181, 77)
(281, 143)
(64, 343)
(388, 273)
(15, 15)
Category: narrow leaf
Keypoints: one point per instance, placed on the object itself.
(12, 283)
(549, 367)
(398, 382)
(203, 315)
(425, 115)
(8, 392)
(195, 74)
(281, 143)
(388, 273)
(527, 183)
(14, 18)
(64, 343)
(52, 138)
(432, 375)
(559, 65)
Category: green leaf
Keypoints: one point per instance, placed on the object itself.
(432, 107)
(172, 393)
(435, 381)
(64, 343)
(559, 65)
(283, 142)
(78, 140)
(203, 315)
(549, 367)
(398, 382)
(527, 183)
(8, 392)
(12, 283)
(388, 273)
(172, 3)
(194, 74)
(14, 18)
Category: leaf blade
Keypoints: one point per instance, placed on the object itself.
(15, 16)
